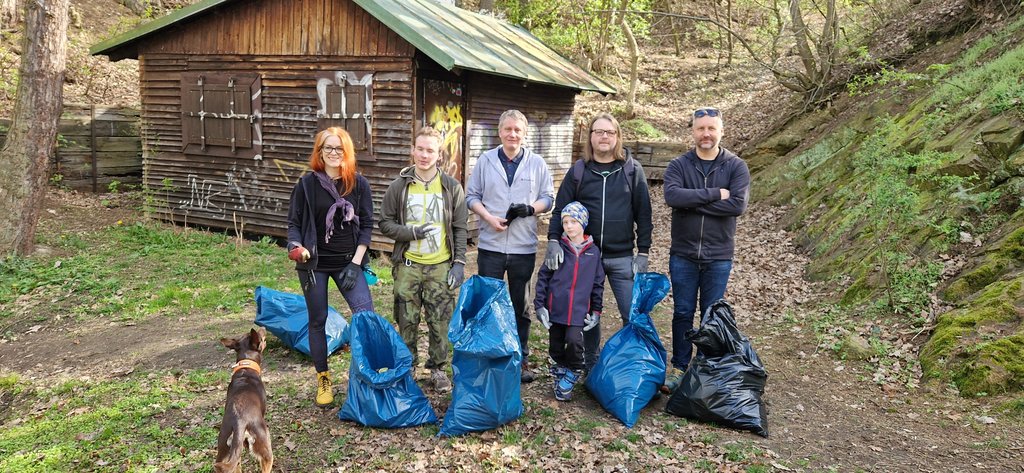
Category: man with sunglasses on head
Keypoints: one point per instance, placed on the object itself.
(707, 188)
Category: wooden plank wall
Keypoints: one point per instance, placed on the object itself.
(96, 145)
(283, 27)
(253, 195)
(548, 111)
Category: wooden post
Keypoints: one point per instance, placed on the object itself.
(92, 146)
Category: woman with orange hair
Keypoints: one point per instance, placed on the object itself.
(329, 224)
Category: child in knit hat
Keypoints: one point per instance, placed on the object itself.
(569, 299)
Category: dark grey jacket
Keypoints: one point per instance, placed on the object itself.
(704, 225)
(392, 215)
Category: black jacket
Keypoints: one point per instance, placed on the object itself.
(704, 225)
(618, 217)
(302, 228)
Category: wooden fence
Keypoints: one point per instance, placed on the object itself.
(96, 145)
(653, 156)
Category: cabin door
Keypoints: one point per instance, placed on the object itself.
(443, 108)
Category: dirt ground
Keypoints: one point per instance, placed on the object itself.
(824, 413)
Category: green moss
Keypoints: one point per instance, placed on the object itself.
(997, 367)
(973, 281)
(981, 346)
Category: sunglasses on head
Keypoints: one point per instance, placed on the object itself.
(706, 112)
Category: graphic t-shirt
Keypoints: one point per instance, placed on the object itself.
(425, 204)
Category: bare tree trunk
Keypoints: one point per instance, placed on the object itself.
(634, 58)
(486, 6)
(728, 21)
(26, 154)
(600, 56)
(722, 33)
(10, 14)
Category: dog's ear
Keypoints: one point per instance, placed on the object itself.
(230, 343)
(258, 338)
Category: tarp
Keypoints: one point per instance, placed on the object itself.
(486, 359)
(632, 363)
(381, 388)
(284, 315)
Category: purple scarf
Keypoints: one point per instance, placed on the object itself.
(347, 210)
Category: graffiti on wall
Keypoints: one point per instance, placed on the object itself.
(443, 106)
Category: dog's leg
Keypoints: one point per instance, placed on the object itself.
(261, 447)
(229, 450)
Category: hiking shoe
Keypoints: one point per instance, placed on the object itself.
(564, 386)
(672, 380)
(324, 393)
(527, 376)
(440, 381)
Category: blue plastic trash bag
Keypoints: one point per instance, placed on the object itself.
(285, 316)
(725, 381)
(381, 389)
(632, 363)
(486, 359)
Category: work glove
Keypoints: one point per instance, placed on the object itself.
(640, 263)
(517, 211)
(349, 275)
(456, 275)
(299, 254)
(543, 317)
(554, 256)
(425, 230)
(591, 321)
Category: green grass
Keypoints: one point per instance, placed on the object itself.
(80, 425)
(135, 271)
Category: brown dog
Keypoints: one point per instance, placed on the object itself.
(243, 426)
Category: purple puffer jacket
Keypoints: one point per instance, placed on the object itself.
(575, 288)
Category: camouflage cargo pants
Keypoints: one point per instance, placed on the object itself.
(423, 288)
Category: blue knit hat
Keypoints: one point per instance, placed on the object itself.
(577, 211)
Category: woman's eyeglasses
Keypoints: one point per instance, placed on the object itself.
(706, 112)
(330, 149)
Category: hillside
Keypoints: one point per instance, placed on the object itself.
(907, 194)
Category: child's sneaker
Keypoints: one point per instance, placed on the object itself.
(564, 386)
(557, 371)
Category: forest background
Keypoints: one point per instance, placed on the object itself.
(879, 273)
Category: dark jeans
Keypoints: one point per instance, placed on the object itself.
(358, 300)
(565, 345)
(619, 272)
(520, 269)
(708, 278)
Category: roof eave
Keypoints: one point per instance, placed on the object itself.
(126, 42)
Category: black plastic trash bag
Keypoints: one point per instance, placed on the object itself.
(381, 388)
(632, 363)
(725, 381)
(284, 315)
(486, 360)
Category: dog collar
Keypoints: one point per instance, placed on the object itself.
(243, 364)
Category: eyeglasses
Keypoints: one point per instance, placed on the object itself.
(604, 132)
(706, 112)
(330, 149)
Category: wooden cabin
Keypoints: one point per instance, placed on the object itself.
(233, 92)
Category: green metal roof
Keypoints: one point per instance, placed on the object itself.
(452, 37)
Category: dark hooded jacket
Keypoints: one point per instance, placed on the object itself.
(575, 288)
(704, 225)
